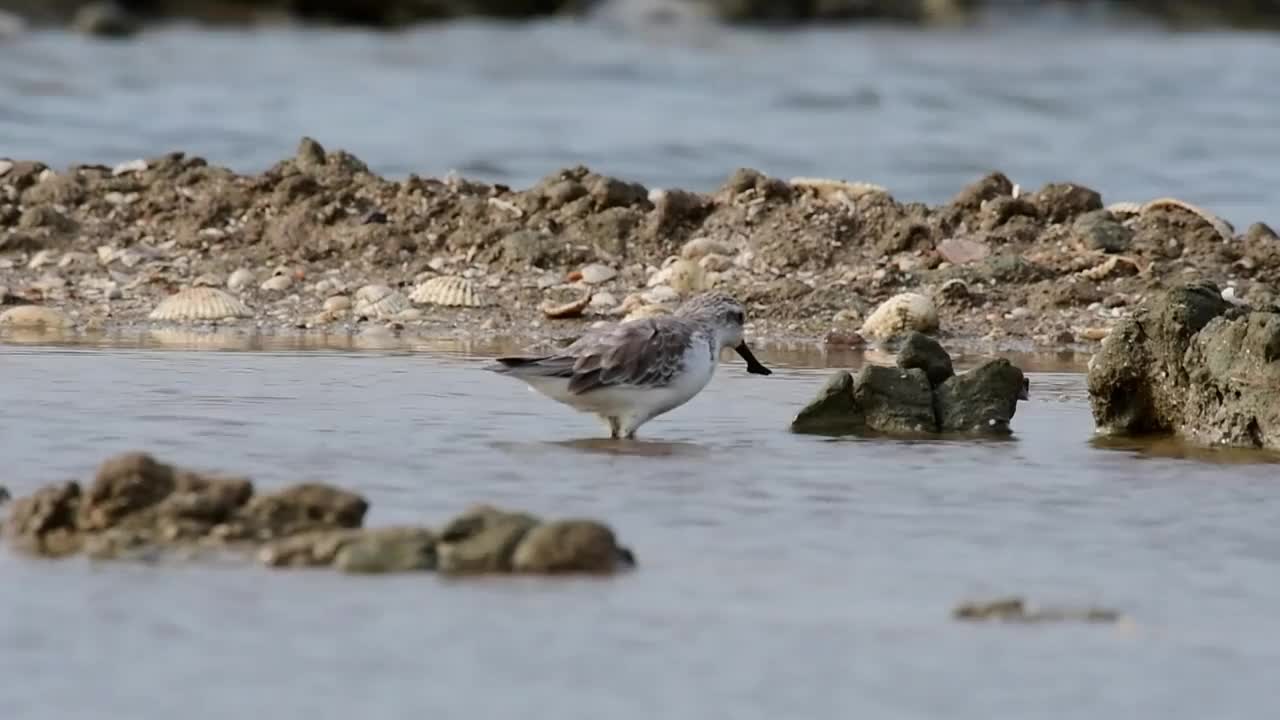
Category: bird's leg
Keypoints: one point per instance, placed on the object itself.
(614, 429)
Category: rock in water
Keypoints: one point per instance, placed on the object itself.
(833, 410)
(982, 400)
(922, 395)
(388, 550)
(893, 400)
(923, 352)
(1191, 364)
(482, 540)
(570, 546)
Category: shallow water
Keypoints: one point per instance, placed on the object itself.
(781, 575)
(1133, 113)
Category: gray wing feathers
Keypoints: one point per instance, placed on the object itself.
(646, 352)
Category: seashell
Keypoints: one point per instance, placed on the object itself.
(900, 314)
(200, 303)
(1123, 210)
(40, 259)
(1222, 227)
(379, 301)
(276, 283)
(35, 316)
(240, 279)
(839, 190)
(563, 311)
(449, 291)
(683, 276)
(699, 248)
(595, 274)
(337, 304)
(1114, 265)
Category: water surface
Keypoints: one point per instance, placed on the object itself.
(781, 575)
(1134, 113)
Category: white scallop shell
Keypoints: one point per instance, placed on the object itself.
(200, 303)
(35, 316)
(450, 291)
(1114, 265)
(1222, 227)
(379, 301)
(900, 314)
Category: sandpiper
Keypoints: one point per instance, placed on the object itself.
(632, 372)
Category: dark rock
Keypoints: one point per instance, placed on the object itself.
(924, 353)
(1190, 364)
(833, 410)
(1099, 230)
(893, 400)
(982, 400)
(1060, 202)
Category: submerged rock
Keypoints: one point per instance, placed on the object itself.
(921, 395)
(137, 507)
(1016, 609)
(1191, 364)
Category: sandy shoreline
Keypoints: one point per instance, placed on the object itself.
(1005, 268)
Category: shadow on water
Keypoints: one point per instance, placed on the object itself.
(1169, 447)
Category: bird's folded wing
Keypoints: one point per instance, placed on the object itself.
(646, 353)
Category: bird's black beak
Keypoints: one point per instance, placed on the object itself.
(753, 365)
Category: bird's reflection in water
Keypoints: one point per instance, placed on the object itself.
(611, 446)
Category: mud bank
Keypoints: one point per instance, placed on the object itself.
(119, 17)
(318, 244)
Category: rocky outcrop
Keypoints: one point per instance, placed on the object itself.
(1191, 364)
(137, 507)
(91, 248)
(921, 395)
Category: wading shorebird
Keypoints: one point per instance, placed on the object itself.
(632, 372)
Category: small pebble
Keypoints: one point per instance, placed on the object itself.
(337, 303)
(240, 279)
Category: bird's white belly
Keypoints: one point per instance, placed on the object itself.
(631, 402)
